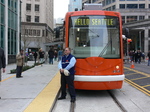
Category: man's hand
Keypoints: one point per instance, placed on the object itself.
(62, 70)
(4, 70)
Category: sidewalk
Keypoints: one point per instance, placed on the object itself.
(17, 93)
(10, 67)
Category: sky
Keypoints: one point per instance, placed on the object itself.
(60, 8)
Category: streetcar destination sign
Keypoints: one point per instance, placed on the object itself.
(94, 21)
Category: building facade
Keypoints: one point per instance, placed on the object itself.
(37, 24)
(75, 5)
(10, 28)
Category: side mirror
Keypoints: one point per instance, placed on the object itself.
(126, 32)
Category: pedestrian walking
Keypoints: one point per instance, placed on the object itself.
(67, 63)
(148, 55)
(139, 55)
(41, 56)
(51, 56)
(2, 63)
(35, 56)
(20, 63)
(55, 55)
(60, 54)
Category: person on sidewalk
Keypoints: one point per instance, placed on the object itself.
(35, 56)
(139, 55)
(60, 54)
(2, 62)
(20, 63)
(148, 55)
(67, 63)
(51, 56)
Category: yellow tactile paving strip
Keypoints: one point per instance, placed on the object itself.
(45, 100)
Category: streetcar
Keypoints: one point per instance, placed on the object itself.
(95, 37)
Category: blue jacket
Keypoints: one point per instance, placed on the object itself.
(66, 61)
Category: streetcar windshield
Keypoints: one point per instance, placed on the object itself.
(94, 36)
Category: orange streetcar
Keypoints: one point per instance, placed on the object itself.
(95, 37)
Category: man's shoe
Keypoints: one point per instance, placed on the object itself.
(61, 98)
(20, 77)
(72, 100)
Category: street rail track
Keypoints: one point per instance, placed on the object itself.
(75, 107)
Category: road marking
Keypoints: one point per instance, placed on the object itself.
(45, 100)
(146, 86)
(138, 78)
(138, 87)
(131, 73)
(8, 78)
(148, 75)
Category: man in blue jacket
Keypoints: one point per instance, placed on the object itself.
(67, 63)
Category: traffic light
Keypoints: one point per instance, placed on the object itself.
(129, 40)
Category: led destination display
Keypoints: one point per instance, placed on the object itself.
(96, 21)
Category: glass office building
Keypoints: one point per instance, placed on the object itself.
(10, 28)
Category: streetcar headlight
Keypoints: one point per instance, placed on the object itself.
(117, 67)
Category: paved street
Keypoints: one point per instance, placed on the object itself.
(26, 94)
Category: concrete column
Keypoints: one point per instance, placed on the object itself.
(6, 31)
(146, 41)
(18, 26)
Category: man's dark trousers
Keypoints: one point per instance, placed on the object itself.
(70, 81)
(19, 71)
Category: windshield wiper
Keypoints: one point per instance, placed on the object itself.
(94, 32)
(105, 48)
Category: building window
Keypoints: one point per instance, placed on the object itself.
(26, 31)
(148, 45)
(43, 33)
(36, 18)
(28, 18)
(122, 6)
(113, 1)
(2, 1)
(141, 17)
(34, 32)
(2, 29)
(38, 32)
(2, 17)
(113, 7)
(103, 3)
(37, 7)
(132, 6)
(149, 34)
(123, 19)
(141, 6)
(131, 18)
(28, 7)
(30, 32)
